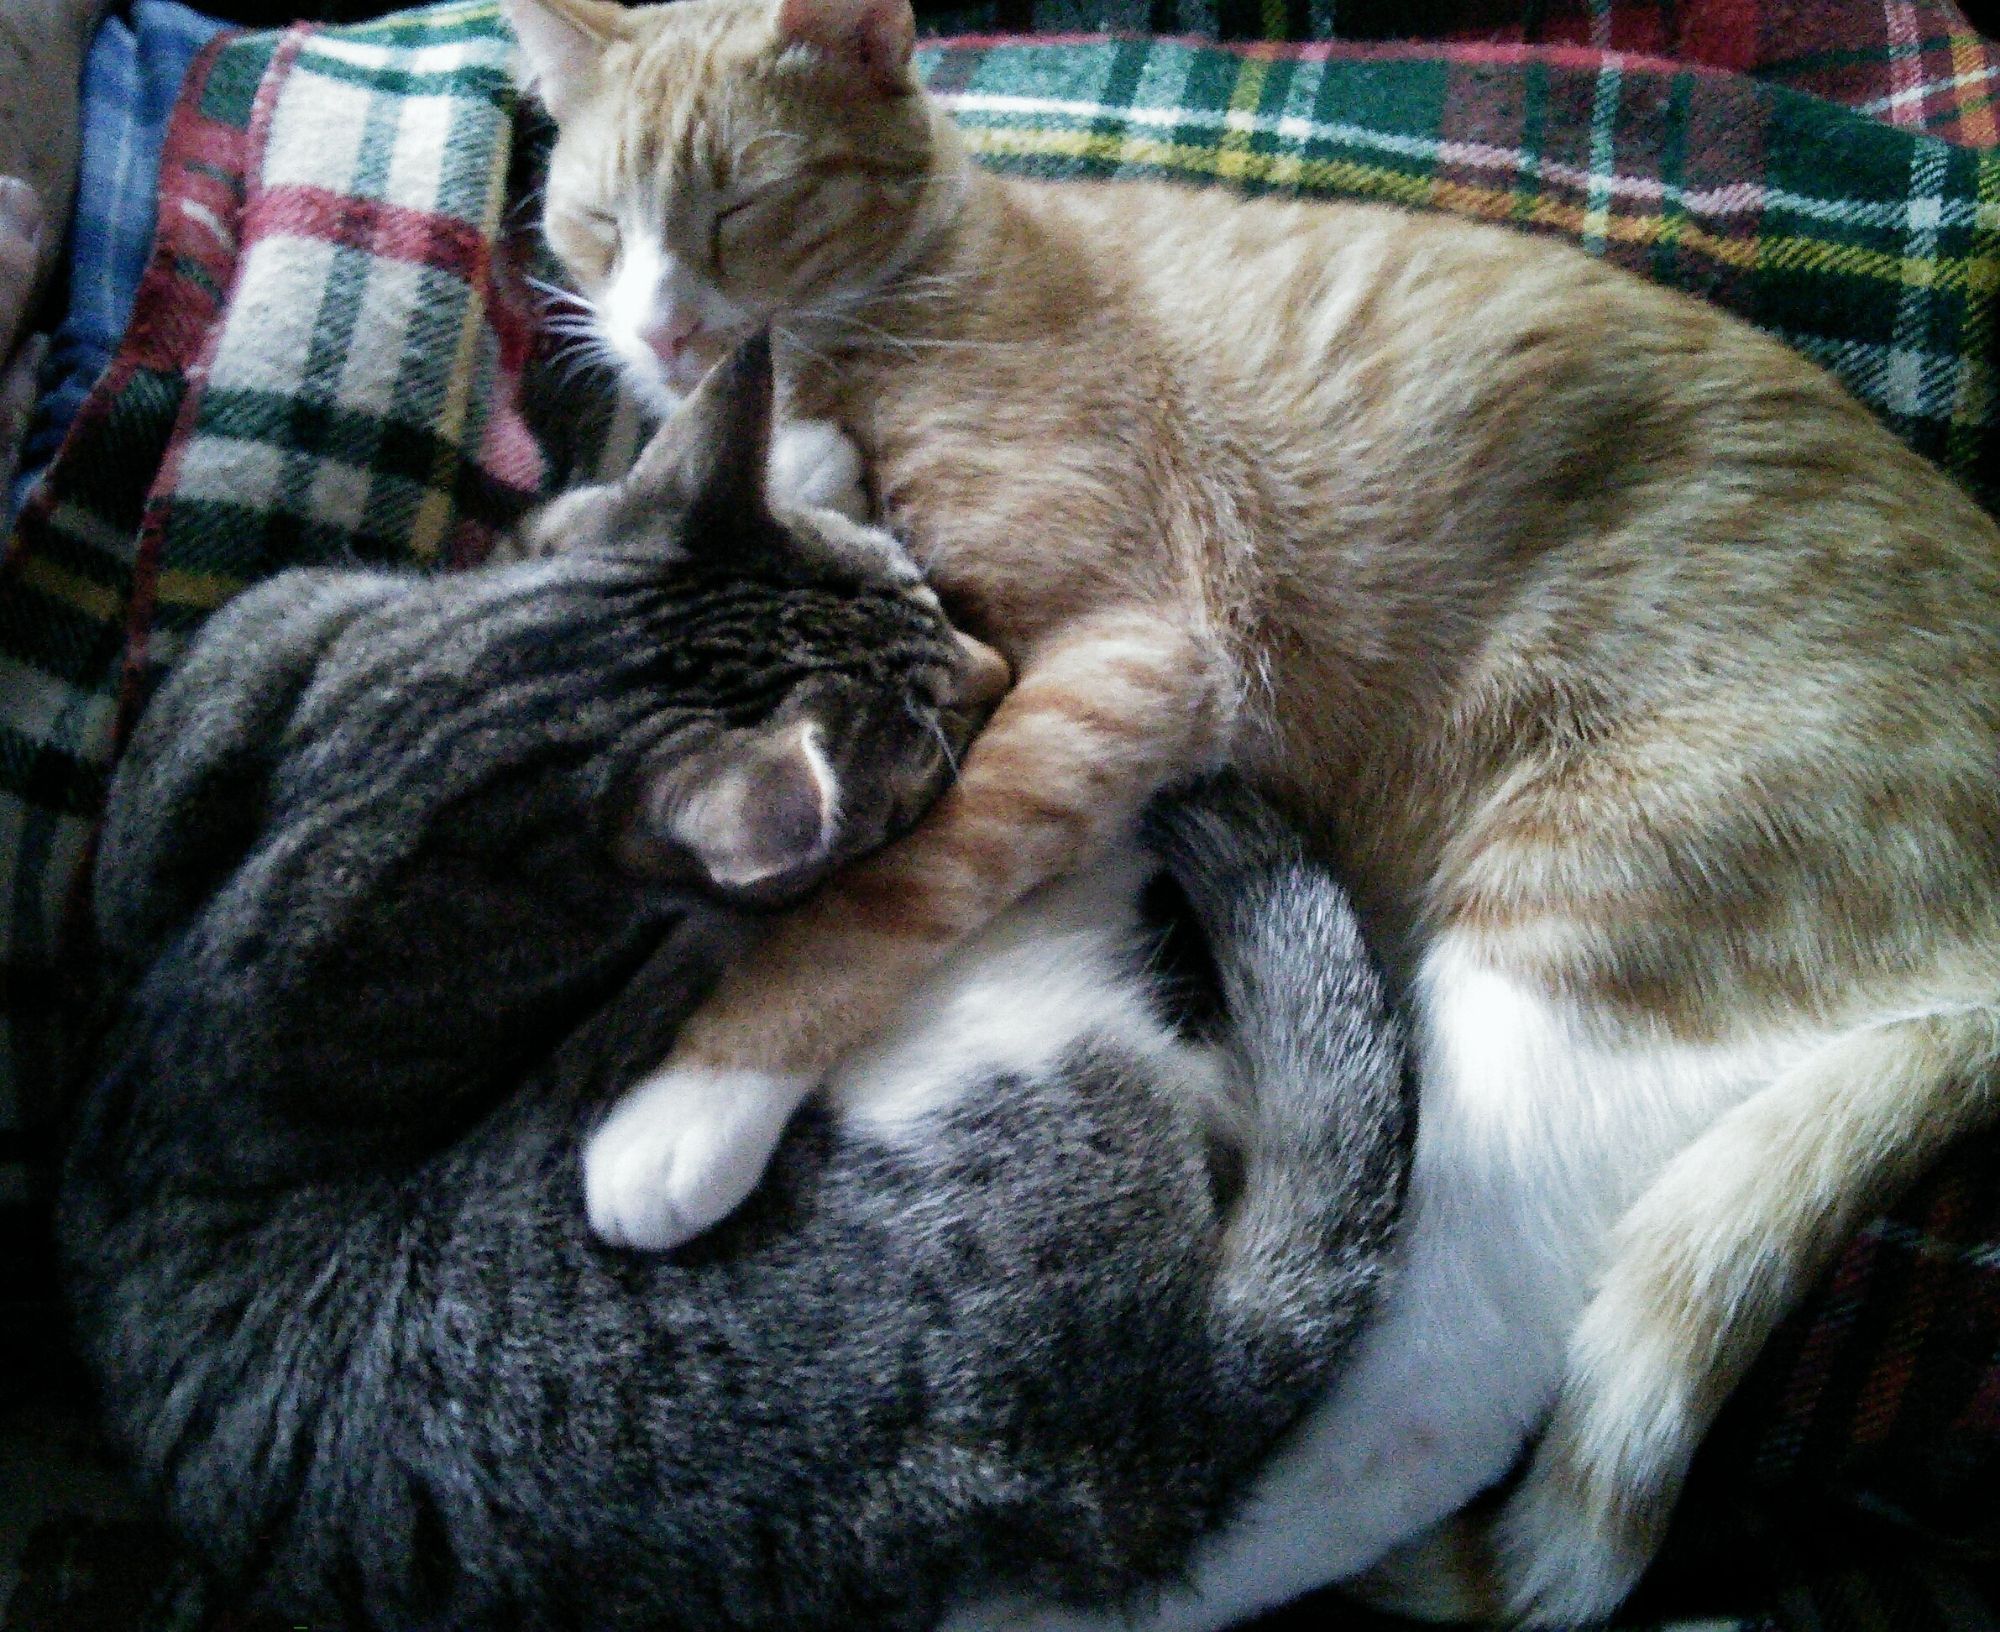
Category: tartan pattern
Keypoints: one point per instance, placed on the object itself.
(131, 80)
(1891, 1387)
(67, 590)
(1875, 252)
(1918, 64)
(350, 400)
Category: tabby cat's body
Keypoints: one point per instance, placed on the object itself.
(403, 878)
(1649, 690)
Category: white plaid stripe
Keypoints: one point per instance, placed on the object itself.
(266, 336)
(234, 470)
(1603, 159)
(317, 144)
(340, 495)
(371, 377)
(1924, 92)
(47, 709)
(442, 60)
(1914, 383)
(417, 162)
(1167, 71)
(1906, 62)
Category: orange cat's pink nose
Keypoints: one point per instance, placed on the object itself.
(670, 340)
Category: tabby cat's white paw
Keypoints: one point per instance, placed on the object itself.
(681, 1151)
(815, 465)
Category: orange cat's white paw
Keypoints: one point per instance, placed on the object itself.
(681, 1151)
(815, 465)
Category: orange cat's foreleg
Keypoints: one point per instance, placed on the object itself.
(1101, 718)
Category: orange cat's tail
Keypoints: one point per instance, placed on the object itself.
(1703, 1267)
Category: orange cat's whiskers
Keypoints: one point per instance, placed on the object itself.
(901, 345)
(926, 285)
(750, 149)
(527, 209)
(908, 345)
(557, 295)
(788, 336)
(582, 354)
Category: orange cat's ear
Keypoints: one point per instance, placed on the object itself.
(870, 39)
(707, 463)
(562, 44)
(752, 814)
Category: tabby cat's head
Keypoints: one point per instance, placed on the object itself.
(810, 693)
(726, 164)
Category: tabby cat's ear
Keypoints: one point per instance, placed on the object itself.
(870, 40)
(707, 464)
(753, 812)
(562, 44)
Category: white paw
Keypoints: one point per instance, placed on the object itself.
(572, 520)
(815, 465)
(681, 1151)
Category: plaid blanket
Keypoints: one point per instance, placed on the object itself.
(1917, 64)
(327, 355)
(321, 367)
(131, 81)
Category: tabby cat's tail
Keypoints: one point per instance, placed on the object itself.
(1325, 1110)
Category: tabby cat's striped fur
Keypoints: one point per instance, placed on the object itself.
(403, 877)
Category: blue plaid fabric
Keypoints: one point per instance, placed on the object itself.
(130, 81)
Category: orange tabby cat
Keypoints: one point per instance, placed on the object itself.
(1647, 690)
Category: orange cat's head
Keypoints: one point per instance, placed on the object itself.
(723, 165)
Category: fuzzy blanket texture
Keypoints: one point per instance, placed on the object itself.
(326, 362)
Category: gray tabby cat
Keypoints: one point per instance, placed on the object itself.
(403, 879)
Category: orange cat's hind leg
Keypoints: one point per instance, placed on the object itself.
(1703, 1266)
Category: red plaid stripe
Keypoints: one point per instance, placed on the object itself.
(1919, 64)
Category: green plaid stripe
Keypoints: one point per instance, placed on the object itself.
(346, 410)
(1875, 251)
